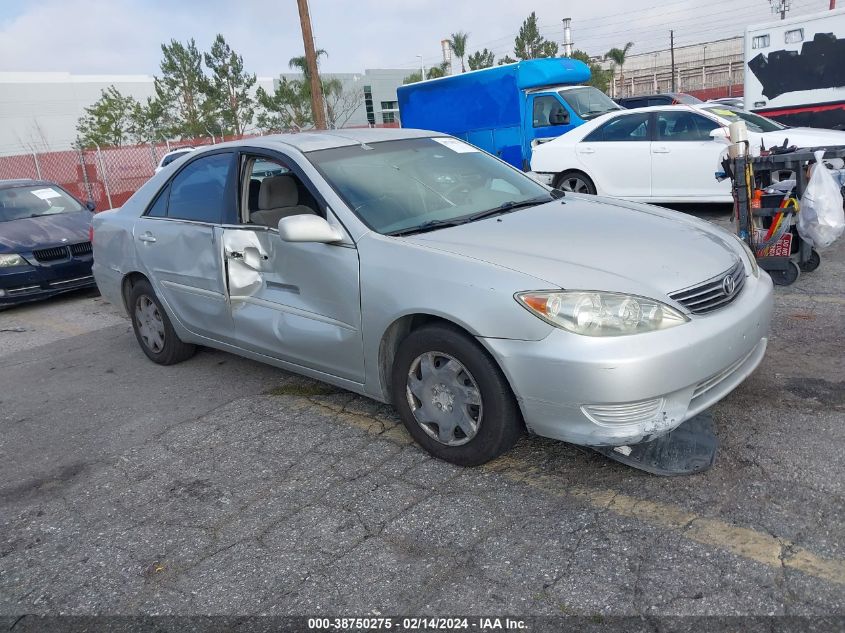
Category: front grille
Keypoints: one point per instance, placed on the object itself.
(712, 294)
(83, 248)
(51, 254)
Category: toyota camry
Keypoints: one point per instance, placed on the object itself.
(413, 268)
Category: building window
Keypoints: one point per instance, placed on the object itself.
(795, 35)
(388, 117)
(389, 105)
(368, 104)
(760, 41)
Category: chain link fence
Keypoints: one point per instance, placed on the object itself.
(108, 176)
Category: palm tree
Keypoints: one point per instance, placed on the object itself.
(299, 63)
(458, 44)
(617, 56)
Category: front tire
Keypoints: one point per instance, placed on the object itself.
(153, 329)
(575, 182)
(453, 398)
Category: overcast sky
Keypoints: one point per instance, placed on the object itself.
(124, 36)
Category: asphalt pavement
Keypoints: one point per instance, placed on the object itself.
(223, 486)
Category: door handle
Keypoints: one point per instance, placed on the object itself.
(586, 150)
(660, 150)
(146, 237)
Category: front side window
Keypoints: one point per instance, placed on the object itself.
(417, 184)
(682, 125)
(549, 111)
(632, 127)
(35, 201)
(198, 192)
(588, 102)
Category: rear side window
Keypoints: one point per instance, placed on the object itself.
(631, 127)
(198, 192)
(158, 209)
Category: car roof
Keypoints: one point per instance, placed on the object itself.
(25, 182)
(328, 139)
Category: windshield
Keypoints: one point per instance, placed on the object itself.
(17, 203)
(588, 102)
(755, 122)
(397, 186)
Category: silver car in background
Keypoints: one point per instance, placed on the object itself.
(412, 268)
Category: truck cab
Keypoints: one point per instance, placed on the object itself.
(506, 110)
(556, 110)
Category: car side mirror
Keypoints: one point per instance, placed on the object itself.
(719, 134)
(308, 228)
(91, 206)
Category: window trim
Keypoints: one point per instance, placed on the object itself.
(198, 155)
(559, 102)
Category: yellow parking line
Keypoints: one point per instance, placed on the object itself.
(744, 542)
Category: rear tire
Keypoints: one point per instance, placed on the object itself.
(575, 182)
(453, 398)
(153, 330)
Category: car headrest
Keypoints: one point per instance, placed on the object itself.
(278, 191)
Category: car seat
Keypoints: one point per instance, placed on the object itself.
(278, 198)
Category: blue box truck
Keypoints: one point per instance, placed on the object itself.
(506, 110)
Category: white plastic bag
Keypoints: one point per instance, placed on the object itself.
(821, 219)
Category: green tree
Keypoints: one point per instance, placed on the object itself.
(151, 120)
(109, 121)
(481, 59)
(432, 73)
(287, 108)
(617, 56)
(182, 88)
(301, 64)
(507, 59)
(529, 44)
(599, 77)
(229, 89)
(458, 44)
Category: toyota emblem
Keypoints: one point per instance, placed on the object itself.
(728, 285)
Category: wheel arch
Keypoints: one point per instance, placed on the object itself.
(571, 172)
(126, 285)
(401, 327)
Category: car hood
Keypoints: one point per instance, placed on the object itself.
(43, 232)
(595, 243)
(804, 137)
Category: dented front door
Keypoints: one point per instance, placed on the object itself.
(298, 302)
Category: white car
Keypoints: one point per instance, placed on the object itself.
(169, 157)
(660, 153)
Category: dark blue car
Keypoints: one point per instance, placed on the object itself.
(45, 243)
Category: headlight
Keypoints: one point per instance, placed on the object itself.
(752, 260)
(7, 261)
(600, 313)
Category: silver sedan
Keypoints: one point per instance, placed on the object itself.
(415, 269)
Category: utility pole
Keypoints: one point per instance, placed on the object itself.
(311, 63)
(781, 6)
(672, 52)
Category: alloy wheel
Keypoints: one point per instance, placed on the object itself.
(575, 185)
(444, 398)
